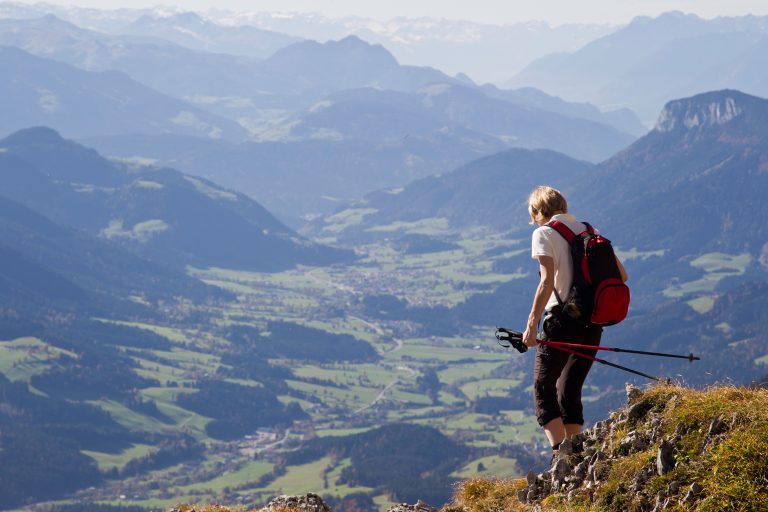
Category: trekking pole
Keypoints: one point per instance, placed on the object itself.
(601, 361)
(515, 339)
(690, 357)
(508, 338)
(511, 337)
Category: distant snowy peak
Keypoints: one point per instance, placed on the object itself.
(401, 29)
(706, 110)
(103, 20)
(723, 23)
(181, 19)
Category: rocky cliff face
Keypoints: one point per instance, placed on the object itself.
(708, 154)
(704, 110)
(714, 113)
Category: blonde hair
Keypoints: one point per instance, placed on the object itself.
(547, 201)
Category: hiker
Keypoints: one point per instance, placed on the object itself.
(558, 375)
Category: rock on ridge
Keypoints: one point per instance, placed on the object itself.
(582, 463)
(420, 506)
(306, 503)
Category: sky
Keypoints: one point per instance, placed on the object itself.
(555, 12)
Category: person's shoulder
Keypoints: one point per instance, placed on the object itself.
(543, 232)
(541, 242)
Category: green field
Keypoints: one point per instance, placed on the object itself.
(703, 304)
(494, 465)
(339, 222)
(430, 226)
(22, 358)
(301, 479)
(488, 387)
(310, 478)
(634, 254)
(108, 461)
(716, 266)
(248, 474)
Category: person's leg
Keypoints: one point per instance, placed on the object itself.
(571, 382)
(571, 429)
(555, 431)
(546, 372)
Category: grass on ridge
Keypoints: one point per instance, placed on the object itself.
(732, 468)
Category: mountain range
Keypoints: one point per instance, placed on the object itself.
(622, 119)
(298, 72)
(37, 91)
(305, 177)
(193, 31)
(310, 108)
(487, 52)
(383, 115)
(160, 214)
(678, 188)
(162, 65)
(294, 77)
(652, 60)
(689, 183)
(483, 51)
(357, 140)
(488, 192)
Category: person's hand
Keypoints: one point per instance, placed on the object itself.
(529, 337)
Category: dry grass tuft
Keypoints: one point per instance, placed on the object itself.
(489, 495)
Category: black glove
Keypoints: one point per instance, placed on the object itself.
(508, 338)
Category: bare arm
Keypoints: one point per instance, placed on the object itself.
(622, 270)
(543, 292)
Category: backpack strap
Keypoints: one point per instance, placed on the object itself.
(569, 236)
(564, 230)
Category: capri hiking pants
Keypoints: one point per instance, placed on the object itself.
(558, 375)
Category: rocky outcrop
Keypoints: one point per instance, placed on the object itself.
(709, 109)
(420, 506)
(583, 463)
(306, 503)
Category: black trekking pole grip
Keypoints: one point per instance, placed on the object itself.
(512, 339)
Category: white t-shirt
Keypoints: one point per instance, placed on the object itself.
(548, 242)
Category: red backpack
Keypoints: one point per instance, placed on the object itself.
(598, 294)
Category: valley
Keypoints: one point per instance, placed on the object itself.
(340, 398)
